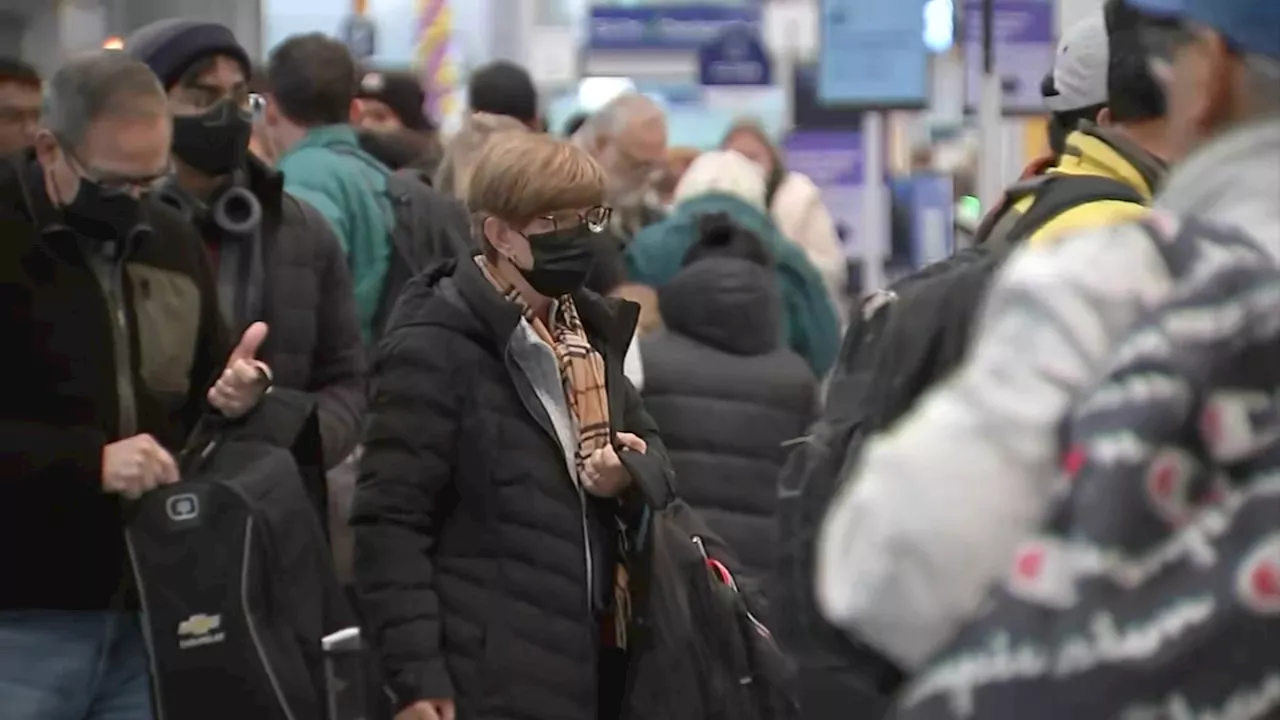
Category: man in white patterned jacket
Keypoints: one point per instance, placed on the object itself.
(932, 515)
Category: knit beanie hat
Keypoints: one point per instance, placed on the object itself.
(503, 88)
(169, 47)
(723, 172)
(399, 91)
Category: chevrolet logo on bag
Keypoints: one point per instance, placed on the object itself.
(200, 630)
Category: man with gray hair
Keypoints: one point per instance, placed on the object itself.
(934, 511)
(628, 137)
(110, 306)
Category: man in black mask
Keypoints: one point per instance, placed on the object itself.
(113, 340)
(275, 257)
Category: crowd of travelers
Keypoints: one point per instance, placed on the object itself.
(321, 414)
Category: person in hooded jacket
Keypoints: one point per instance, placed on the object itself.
(276, 258)
(727, 393)
(727, 183)
(503, 450)
(795, 203)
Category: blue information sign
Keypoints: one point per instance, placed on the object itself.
(657, 27)
(360, 36)
(736, 57)
(873, 54)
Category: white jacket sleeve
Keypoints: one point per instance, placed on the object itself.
(934, 511)
(805, 220)
(632, 365)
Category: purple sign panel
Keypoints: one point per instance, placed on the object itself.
(832, 159)
(1024, 49)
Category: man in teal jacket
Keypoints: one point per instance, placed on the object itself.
(313, 83)
(727, 183)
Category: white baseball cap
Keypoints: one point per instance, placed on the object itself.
(1079, 76)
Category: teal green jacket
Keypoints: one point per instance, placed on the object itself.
(349, 187)
(812, 329)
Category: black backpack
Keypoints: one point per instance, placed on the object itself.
(234, 575)
(902, 341)
(699, 649)
(427, 227)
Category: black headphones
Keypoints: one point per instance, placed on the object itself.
(235, 209)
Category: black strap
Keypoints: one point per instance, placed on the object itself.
(1012, 195)
(1179, 241)
(399, 200)
(1054, 194)
(361, 156)
(1059, 193)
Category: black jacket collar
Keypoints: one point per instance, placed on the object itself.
(267, 184)
(609, 322)
(23, 184)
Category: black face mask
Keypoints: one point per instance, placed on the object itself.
(562, 260)
(216, 142)
(100, 214)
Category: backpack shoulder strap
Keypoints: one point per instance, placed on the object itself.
(1179, 240)
(351, 152)
(1060, 193)
(1008, 200)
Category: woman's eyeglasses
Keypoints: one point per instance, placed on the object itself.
(596, 219)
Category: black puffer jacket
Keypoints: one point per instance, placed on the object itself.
(727, 395)
(469, 529)
(314, 343)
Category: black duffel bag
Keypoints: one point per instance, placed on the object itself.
(234, 573)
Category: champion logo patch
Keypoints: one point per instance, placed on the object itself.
(1168, 483)
(1040, 575)
(1258, 579)
(1237, 425)
(1073, 461)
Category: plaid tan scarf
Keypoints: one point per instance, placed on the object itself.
(583, 378)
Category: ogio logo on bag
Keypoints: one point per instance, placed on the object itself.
(200, 630)
(181, 508)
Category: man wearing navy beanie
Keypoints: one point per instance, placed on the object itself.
(276, 257)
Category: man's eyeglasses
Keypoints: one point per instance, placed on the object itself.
(115, 183)
(204, 96)
(257, 105)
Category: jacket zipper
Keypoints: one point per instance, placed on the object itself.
(586, 544)
(514, 367)
(147, 638)
(111, 279)
(249, 622)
